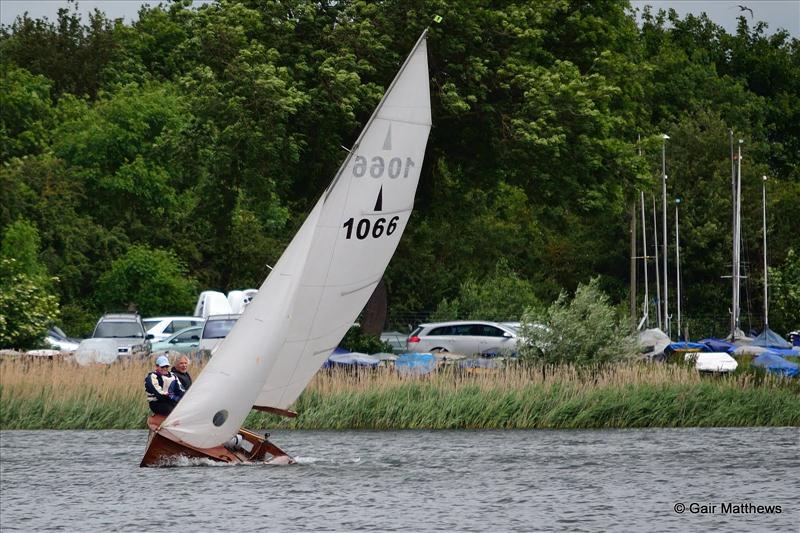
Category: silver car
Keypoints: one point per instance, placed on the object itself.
(161, 327)
(215, 328)
(466, 337)
(116, 335)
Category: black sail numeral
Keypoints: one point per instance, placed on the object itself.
(367, 228)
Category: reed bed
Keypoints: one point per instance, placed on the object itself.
(58, 394)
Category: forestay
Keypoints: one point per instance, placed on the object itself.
(326, 275)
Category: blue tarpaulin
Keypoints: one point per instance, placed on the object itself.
(776, 364)
(718, 345)
(415, 363)
(785, 352)
(685, 347)
(341, 357)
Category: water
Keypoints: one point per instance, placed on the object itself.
(611, 480)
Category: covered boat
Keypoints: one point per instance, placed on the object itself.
(770, 339)
(775, 364)
(712, 362)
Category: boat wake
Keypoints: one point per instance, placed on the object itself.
(307, 460)
(182, 460)
(313, 460)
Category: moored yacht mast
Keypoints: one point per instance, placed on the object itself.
(737, 237)
(764, 232)
(678, 265)
(658, 279)
(664, 227)
(646, 316)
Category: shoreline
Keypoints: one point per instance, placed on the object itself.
(58, 394)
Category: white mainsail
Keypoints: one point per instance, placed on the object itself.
(324, 277)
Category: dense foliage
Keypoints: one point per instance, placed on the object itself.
(502, 296)
(152, 282)
(26, 308)
(584, 331)
(208, 133)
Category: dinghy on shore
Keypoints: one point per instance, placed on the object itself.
(712, 362)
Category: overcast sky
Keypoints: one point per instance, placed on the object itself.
(777, 13)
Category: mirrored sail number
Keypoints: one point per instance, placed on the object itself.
(378, 167)
(367, 228)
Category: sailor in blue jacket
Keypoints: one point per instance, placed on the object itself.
(162, 387)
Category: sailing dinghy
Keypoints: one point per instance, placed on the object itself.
(315, 291)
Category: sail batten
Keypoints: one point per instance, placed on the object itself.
(318, 287)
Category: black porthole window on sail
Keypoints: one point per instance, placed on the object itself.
(220, 417)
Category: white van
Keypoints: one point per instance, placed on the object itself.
(212, 303)
(240, 299)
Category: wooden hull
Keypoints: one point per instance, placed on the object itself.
(161, 448)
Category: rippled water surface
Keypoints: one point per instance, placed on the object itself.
(593, 480)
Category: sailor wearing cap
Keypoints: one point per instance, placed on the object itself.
(157, 387)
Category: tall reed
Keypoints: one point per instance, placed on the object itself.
(37, 394)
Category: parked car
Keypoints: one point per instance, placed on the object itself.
(466, 337)
(161, 327)
(215, 328)
(115, 335)
(396, 339)
(186, 341)
(58, 340)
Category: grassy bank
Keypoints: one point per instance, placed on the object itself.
(60, 395)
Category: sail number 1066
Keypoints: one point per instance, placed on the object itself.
(365, 227)
(377, 167)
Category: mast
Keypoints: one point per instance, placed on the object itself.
(664, 226)
(764, 232)
(737, 236)
(646, 284)
(733, 237)
(678, 265)
(658, 281)
(633, 299)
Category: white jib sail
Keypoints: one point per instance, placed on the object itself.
(326, 275)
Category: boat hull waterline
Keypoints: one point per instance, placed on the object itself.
(163, 450)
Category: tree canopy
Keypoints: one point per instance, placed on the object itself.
(207, 134)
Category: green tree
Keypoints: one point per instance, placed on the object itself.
(356, 340)
(785, 294)
(72, 54)
(21, 243)
(152, 282)
(586, 330)
(26, 308)
(212, 131)
(501, 296)
(26, 113)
